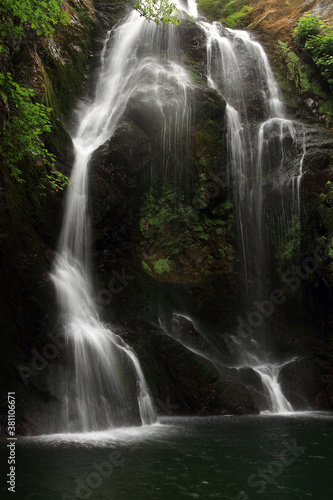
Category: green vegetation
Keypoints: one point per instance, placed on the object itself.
(305, 78)
(22, 132)
(289, 246)
(235, 20)
(316, 38)
(24, 116)
(162, 266)
(296, 71)
(176, 233)
(325, 210)
(26, 119)
(307, 27)
(230, 13)
(158, 11)
(19, 15)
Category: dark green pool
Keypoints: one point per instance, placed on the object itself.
(265, 457)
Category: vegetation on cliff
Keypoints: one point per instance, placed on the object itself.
(186, 242)
(24, 119)
(316, 39)
(27, 114)
(232, 13)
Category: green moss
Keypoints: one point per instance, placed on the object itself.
(146, 267)
(231, 13)
(235, 19)
(162, 266)
(172, 228)
(324, 229)
(301, 75)
(208, 141)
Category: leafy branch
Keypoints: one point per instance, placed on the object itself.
(21, 135)
(158, 11)
(41, 16)
(27, 120)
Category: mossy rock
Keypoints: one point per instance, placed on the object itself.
(301, 84)
(63, 58)
(231, 13)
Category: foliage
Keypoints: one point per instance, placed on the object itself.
(235, 19)
(308, 26)
(40, 15)
(158, 11)
(325, 209)
(21, 135)
(228, 12)
(167, 209)
(176, 231)
(316, 38)
(321, 50)
(145, 267)
(293, 67)
(162, 266)
(27, 120)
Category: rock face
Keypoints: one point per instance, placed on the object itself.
(276, 20)
(167, 276)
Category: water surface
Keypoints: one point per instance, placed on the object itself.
(181, 457)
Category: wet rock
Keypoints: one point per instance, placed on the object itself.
(237, 400)
(298, 383)
(253, 383)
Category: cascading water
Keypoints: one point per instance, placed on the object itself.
(97, 392)
(141, 64)
(238, 68)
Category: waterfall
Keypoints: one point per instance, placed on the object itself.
(139, 63)
(104, 384)
(269, 375)
(238, 68)
(95, 394)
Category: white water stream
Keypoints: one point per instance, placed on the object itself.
(249, 157)
(138, 62)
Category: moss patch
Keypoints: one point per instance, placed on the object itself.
(184, 241)
(230, 13)
(302, 76)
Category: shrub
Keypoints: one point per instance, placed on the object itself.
(316, 38)
(307, 26)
